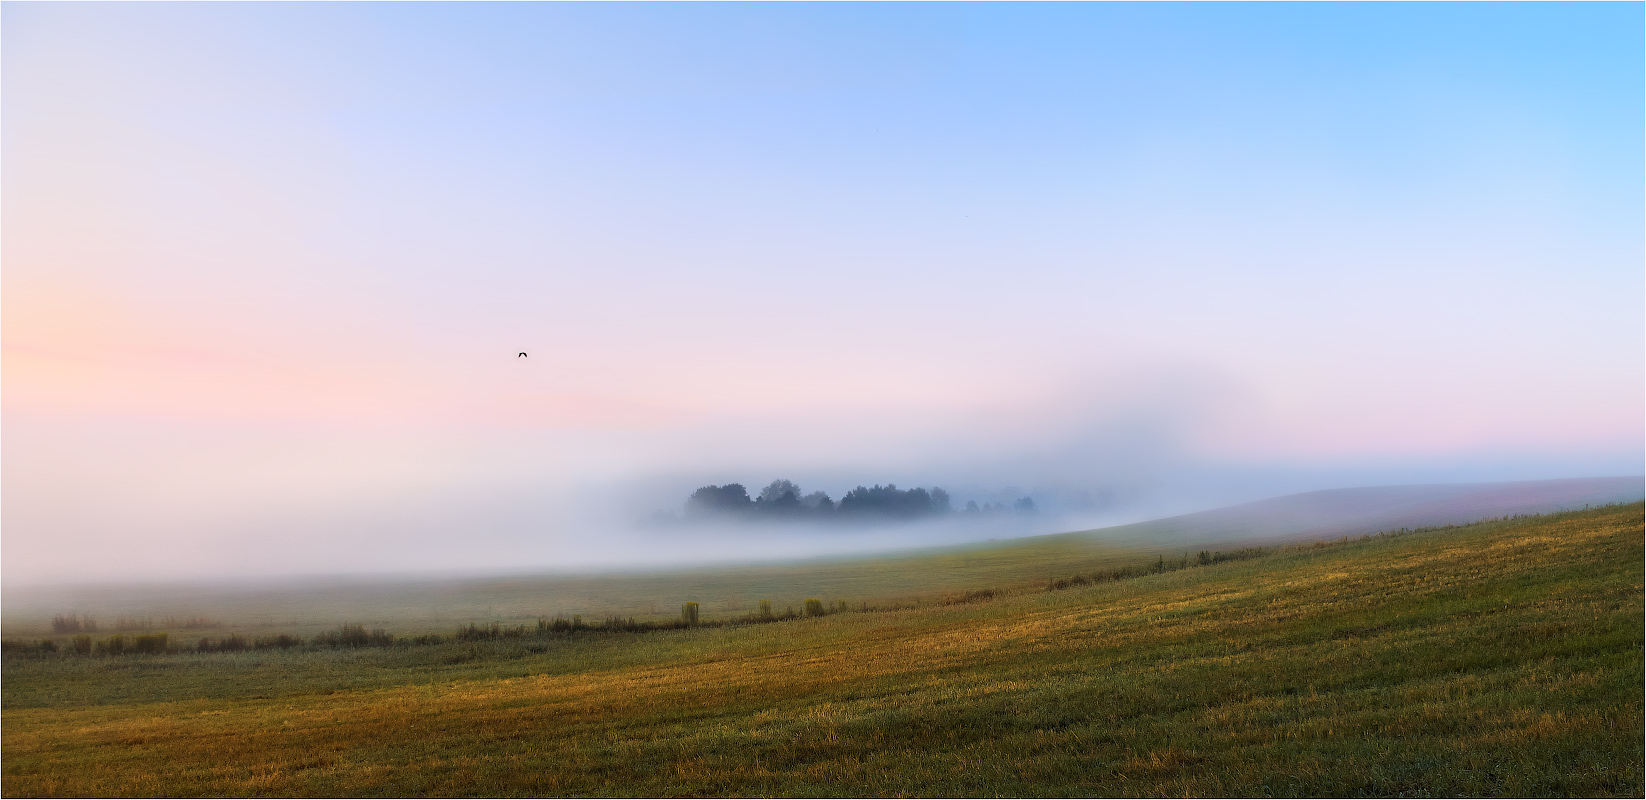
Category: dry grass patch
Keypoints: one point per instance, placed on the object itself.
(1500, 659)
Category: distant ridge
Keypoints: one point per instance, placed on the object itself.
(1332, 513)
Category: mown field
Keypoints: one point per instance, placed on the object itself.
(1497, 659)
(437, 606)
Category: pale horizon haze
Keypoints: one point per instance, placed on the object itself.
(266, 268)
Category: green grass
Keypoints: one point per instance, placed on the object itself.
(1496, 659)
(410, 606)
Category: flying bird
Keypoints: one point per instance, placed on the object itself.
(522, 355)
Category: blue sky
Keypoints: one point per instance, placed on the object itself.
(281, 256)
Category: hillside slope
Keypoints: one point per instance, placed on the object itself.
(1497, 659)
(436, 605)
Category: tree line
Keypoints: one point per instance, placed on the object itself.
(784, 500)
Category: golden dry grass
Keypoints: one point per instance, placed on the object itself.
(1501, 659)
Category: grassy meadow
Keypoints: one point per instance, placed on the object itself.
(1503, 658)
(412, 605)
(437, 606)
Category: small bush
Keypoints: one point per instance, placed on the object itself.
(814, 607)
(149, 643)
(689, 612)
(233, 643)
(356, 635)
(73, 624)
(475, 633)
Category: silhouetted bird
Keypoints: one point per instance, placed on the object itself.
(522, 355)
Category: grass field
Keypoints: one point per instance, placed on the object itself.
(410, 605)
(435, 606)
(1503, 659)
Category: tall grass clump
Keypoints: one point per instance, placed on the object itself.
(73, 623)
(232, 643)
(353, 635)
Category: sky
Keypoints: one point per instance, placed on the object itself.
(267, 267)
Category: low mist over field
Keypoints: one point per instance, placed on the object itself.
(344, 289)
(858, 560)
(822, 399)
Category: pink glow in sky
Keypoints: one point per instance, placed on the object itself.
(267, 267)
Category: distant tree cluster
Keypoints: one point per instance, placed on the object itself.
(1023, 505)
(784, 500)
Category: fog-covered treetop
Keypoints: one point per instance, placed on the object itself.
(784, 499)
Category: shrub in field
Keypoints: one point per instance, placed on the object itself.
(149, 643)
(281, 642)
(112, 646)
(814, 607)
(10, 647)
(478, 633)
(765, 610)
(232, 643)
(689, 612)
(475, 633)
(1203, 558)
(73, 624)
(82, 645)
(355, 635)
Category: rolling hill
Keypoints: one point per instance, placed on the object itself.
(425, 604)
